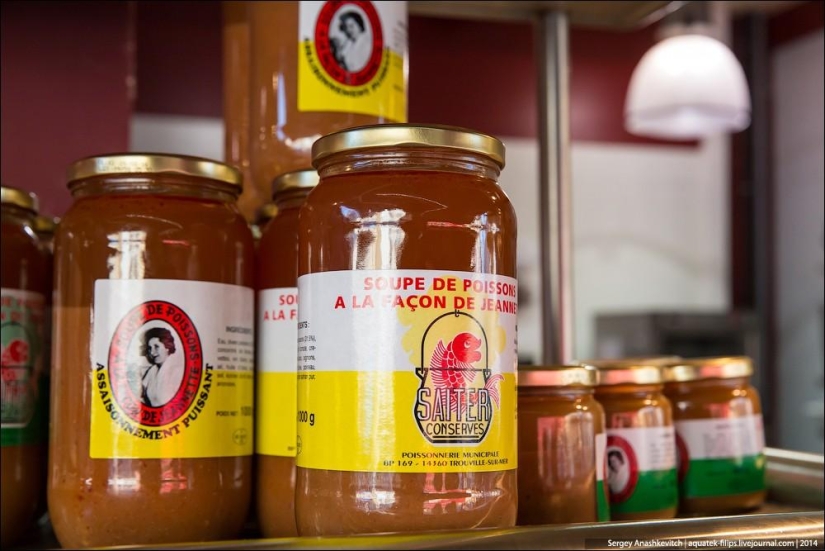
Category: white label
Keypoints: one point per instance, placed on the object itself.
(277, 329)
(368, 320)
(222, 316)
(601, 457)
(722, 438)
(654, 447)
(355, 46)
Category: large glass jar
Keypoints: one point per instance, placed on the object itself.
(561, 442)
(276, 424)
(719, 435)
(23, 433)
(152, 378)
(318, 67)
(406, 334)
(641, 445)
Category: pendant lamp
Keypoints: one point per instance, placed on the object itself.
(688, 86)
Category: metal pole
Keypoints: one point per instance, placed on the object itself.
(555, 192)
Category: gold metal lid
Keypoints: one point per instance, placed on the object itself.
(45, 224)
(19, 198)
(694, 369)
(408, 135)
(558, 375)
(297, 179)
(154, 163)
(637, 371)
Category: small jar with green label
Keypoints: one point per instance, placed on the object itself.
(24, 428)
(719, 435)
(561, 446)
(641, 447)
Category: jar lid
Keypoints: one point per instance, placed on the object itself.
(558, 375)
(297, 179)
(45, 224)
(19, 198)
(636, 371)
(730, 367)
(154, 163)
(408, 135)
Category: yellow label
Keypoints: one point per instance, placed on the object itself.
(352, 58)
(407, 371)
(276, 407)
(218, 423)
(172, 373)
(383, 436)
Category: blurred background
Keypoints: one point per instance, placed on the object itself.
(698, 247)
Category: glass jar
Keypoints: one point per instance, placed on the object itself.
(24, 428)
(641, 446)
(719, 435)
(151, 419)
(561, 442)
(276, 427)
(318, 67)
(406, 334)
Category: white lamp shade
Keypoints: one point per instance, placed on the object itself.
(687, 87)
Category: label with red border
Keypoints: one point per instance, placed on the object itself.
(641, 469)
(352, 58)
(172, 369)
(24, 398)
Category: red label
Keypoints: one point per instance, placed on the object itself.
(622, 465)
(153, 337)
(349, 41)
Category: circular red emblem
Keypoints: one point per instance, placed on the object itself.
(682, 457)
(155, 363)
(622, 469)
(349, 41)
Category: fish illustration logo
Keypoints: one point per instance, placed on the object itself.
(458, 394)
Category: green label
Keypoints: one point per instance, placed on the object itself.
(653, 491)
(724, 477)
(23, 410)
(602, 506)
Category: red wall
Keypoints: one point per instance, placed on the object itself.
(63, 91)
(66, 70)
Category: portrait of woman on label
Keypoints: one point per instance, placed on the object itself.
(618, 471)
(350, 36)
(158, 367)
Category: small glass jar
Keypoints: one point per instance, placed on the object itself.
(641, 446)
(561, 446)
(406, 334)
(24, 426)
(277, 285)
(719, 435)
(151, 440)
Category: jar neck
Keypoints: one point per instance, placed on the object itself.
(412, 159)
(619, 391)
(560, 392)
(736, 383)
(156, 184)
(15, 215)
(291, 200)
